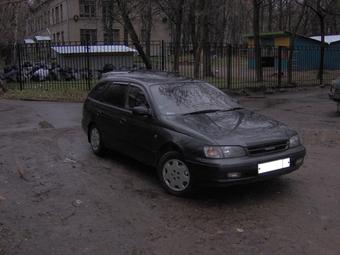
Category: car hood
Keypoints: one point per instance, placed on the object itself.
(238, 127)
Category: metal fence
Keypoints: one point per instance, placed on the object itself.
(51, 66)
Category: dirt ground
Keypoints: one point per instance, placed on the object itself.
(56, 197)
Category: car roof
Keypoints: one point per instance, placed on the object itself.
(145, 77)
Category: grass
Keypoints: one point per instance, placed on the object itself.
(68, 91)
(65, 95)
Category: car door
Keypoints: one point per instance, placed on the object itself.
(141, 131)
(113, 116)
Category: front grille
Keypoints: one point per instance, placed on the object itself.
(268, 148)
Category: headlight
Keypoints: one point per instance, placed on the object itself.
(224, 151)
(294, 141)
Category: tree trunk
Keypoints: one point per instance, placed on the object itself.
(15, 41)
(207, 72)
(292, 44)
(197, 63)
(270, 16)
(256, 29)
(200, 36)
(262, 18)
(148, 27)
(322, 48)
(289, 9)
(128, 24)
(126, 36)
(193, 31)
(178, 33)
(205, 39)
(280, 15)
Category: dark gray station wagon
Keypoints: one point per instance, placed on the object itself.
(193, 133)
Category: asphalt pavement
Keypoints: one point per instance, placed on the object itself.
(56, 197)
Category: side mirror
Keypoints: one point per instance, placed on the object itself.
(141, 111)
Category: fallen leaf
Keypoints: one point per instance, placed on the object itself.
(20, 171)
(69, 160)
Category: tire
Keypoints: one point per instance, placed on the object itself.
(95, 140)
(174, 174)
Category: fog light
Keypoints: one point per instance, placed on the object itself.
(299, 161)
(234, 175)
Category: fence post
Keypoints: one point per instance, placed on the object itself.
(279, 66)
(229, 58)
(88, 66)
(19, 66)
(162, 55)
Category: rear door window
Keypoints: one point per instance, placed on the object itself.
(99, 91)
(115, 94)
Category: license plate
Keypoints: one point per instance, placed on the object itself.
(273, 165)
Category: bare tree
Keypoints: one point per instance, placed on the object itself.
(270, 15)
(147, 18)
(292, 42)
(320, 9)
(125, 8)
(257, 45)
(12, 24)
(174, 10)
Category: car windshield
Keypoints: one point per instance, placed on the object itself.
(190, 98)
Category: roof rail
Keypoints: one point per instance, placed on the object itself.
(154, 72)
(111, 73)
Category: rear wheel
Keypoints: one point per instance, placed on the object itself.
(95, 139)
(174, 174)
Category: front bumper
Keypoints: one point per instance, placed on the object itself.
(214, 172)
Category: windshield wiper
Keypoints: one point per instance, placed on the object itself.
(213, 110)
(233, 109)
(203, 111)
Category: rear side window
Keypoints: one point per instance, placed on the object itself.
(98, 92)
(115, 94)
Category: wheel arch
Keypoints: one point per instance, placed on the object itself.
(169, 146)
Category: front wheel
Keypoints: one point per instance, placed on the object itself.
(174, 174)
(95, 140)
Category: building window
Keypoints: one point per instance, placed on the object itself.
(88, 36)
(57, 15)
(144, 35)
(108, 10)
(116, 35)
(58, 37)
(53, 19)
(62, 37)
(61, 13)
(112, 37)
(108, 38)
(87, 8)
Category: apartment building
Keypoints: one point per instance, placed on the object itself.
(86, 21)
